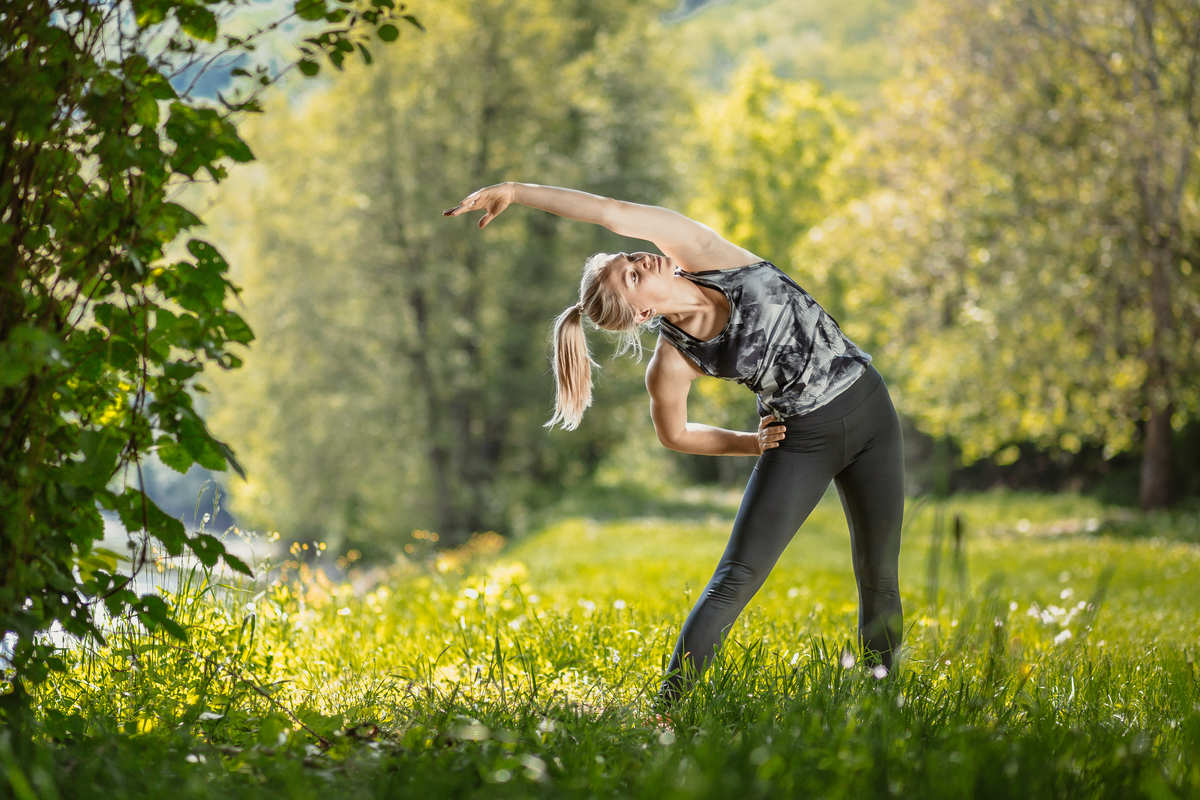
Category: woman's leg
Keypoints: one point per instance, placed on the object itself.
(872, 490)
(786, 484)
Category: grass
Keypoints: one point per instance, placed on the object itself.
(526, 670)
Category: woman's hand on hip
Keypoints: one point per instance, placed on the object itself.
(770, 432)
(492, 199)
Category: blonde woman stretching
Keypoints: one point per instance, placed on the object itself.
(825, 411)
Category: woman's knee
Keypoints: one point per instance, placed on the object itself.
(733, 582)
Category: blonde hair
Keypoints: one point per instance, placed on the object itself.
(571, 361)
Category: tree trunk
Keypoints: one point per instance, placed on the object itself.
(1156, 460)
(1155, 487)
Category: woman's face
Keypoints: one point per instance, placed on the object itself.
(643, 279)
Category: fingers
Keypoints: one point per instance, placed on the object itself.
(770, 432)
(468, 203)
(465, 205)
(478, 201)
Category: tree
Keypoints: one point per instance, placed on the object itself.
(403, 378)
(1020, 225)
(844, 46)
(102, 337)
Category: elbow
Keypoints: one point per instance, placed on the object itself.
(671, 441)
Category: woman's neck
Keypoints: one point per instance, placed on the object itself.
(698, 310)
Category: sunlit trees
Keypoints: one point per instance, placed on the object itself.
(401, 376)
(1026, 238)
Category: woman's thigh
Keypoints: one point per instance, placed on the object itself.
(871, 486)
(786, 484)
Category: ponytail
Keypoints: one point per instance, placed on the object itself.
(572, 370)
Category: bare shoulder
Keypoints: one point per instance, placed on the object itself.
(669, 369)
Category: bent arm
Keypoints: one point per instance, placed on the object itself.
(668, 379)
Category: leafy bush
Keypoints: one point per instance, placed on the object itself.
(102, 336)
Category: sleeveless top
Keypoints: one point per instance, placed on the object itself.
(778, 341)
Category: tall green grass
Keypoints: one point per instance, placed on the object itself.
(1054, 657)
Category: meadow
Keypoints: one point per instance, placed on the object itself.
(1050, 651)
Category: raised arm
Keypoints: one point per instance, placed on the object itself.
(690, 244)
(669, 378)
(570, 203)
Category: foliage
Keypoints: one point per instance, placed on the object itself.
(102, 336)
(845, 46)
(402, 377)
(528, 671)
(1018, 227)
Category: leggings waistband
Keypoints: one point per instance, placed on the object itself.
(845, 402)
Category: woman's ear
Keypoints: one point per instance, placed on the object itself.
(643, 315)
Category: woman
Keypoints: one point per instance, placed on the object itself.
(825, 411)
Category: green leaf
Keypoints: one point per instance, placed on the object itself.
(101, 450)
(174, 456)
(270, 726)
(206, 547)
(145, 110)
(159, 87)
(227, 452)
(88, 527)
(139, 512)
(197, 21)
(388, 32)
(174, 628)
(310, 9)
(119, 599)
(237, 564)
(26, 351)
(194, 436)
(154, 613)
(308, 67)
(149, 12)
(236, 328)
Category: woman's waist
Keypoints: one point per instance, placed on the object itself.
(796, 410)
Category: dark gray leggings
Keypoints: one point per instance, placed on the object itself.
(853, 440)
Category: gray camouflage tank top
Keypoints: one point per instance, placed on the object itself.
(778, 341)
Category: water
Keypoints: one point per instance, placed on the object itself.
(251, 548)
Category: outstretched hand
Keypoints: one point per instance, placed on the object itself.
(492, 199)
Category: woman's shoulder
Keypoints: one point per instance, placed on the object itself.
(728, 270)
(669, 362)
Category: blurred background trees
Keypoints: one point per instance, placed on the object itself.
(995, 199)
(402, 375)
(1025, 238)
